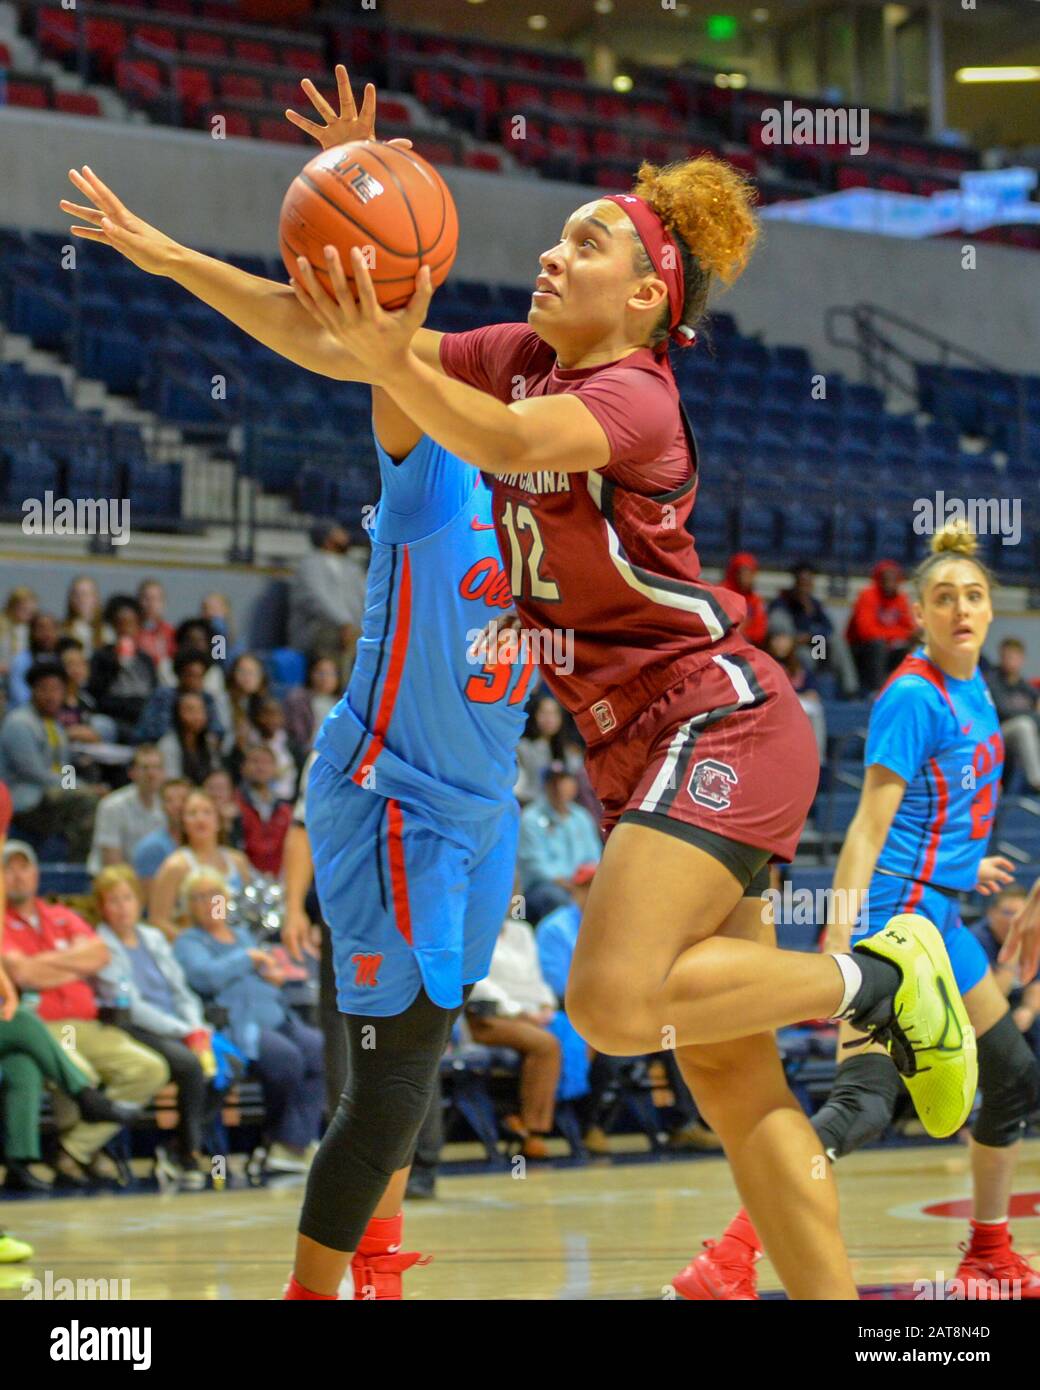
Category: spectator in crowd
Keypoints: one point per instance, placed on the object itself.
(1018, 709)
(798, 611)
(216, 609)
(881, 626)
(200, 847)
(190, 668)
(327, 597)
(126, 816)
(543, 742)
(265, 815)
(153, 849)
(267, 723)
(556, 836)
(156, 638)
(223, 965)
(21, 604)
(190, 748)
(83, 619)
(221, 788)
(246, 680)
(780, 646)
(555, 938)
(307, 705)
(122, 677)
(991, 933)
(43, 646)
(740, 578)
(164, 1013)
(513, 1007)
(34, 760)
(79, 713)
(47, 948)
(197, 635)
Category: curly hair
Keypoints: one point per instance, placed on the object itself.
(708, 206)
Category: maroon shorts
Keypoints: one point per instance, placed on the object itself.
(728, 750)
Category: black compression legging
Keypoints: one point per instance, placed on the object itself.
(392, 1066)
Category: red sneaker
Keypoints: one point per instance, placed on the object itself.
(999, 1274)
(378, 1276)
(719, 1274)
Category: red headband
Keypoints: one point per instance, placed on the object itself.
(655, 236)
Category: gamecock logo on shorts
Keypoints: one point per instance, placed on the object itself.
(710, 783)
(367, 969)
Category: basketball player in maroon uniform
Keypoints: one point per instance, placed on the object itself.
(698, 748)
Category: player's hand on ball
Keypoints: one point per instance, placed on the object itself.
(377, 338)
(349, 124)
(115, 225)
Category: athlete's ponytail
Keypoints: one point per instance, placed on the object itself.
(954, 541)
(708, 206)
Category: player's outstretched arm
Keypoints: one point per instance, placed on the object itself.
(265, 309)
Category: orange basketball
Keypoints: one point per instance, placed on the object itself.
(388, 201)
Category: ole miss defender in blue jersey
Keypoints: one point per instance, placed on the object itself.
(413, 828)
(933, 759)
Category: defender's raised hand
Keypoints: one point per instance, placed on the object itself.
(349, 124)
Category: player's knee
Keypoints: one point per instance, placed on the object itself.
(593, 1010)
(1009, 1080)
(860, 1106)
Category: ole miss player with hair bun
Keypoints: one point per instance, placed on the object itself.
(933, 758)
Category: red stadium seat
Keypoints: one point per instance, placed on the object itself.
(482, 92)
(28, 93)
(272, 128)
(237, 123)
(139, 78)
(436, 151)
(487, 160)
(5, 56)
(291, 94)
(194, 88)
(305, 60)
(56, 31)
(610, 108)
(743, 159)
(77, 103)
(853, 176)
(155, 36)
(239, 86)
(397, 111)
(174, 6)
(570, 103)
(106, 40)
(253, 51)
(895, 183)
(200, 42)
(519, 94)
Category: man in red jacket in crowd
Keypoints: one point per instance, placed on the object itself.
(881, 629)
(740, 577)
(265, 816)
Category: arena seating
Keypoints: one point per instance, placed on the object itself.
(185, 61)
(855, 469)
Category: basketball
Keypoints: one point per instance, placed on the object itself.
(372, 195)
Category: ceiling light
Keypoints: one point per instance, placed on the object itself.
(722, 79)
(760, 16)
(622, 82)
(603, 6)
(537, 21)
(998, 74)
(738, 79)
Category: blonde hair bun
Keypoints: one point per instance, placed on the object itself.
(955, 538)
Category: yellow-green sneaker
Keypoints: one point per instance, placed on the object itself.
(12, 1251)
(928, 1035)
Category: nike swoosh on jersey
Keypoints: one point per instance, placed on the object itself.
(476, 525)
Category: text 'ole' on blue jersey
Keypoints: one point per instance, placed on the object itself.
(421, 719)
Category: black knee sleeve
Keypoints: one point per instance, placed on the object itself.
(392, 1067)
(1009, 1080)
(860, 1105)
